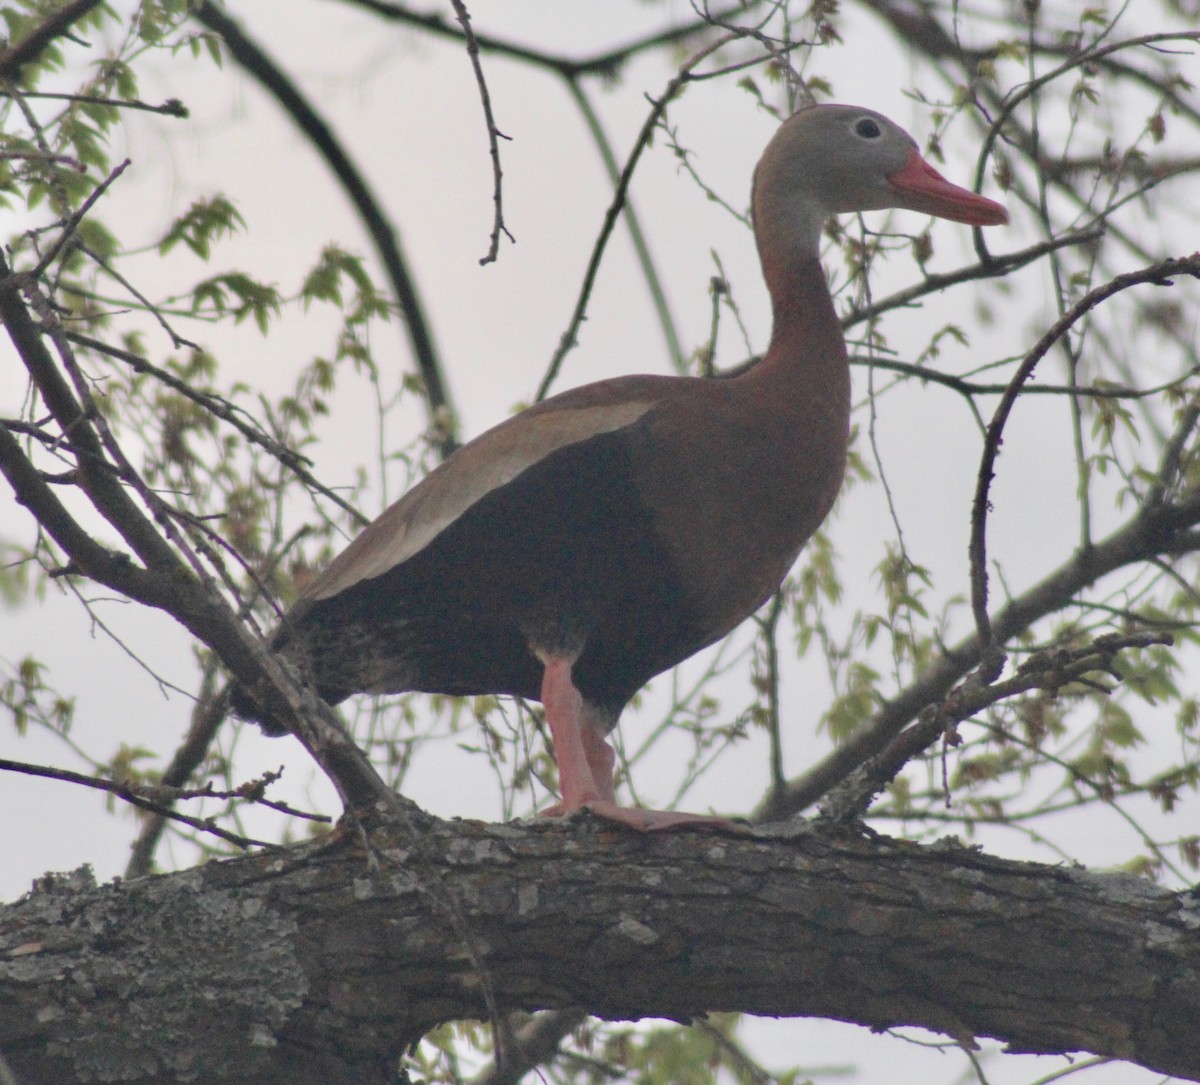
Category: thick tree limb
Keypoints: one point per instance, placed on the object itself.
(311, 968)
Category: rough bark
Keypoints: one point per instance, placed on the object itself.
(321, 963)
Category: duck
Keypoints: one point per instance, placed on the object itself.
(599, 538)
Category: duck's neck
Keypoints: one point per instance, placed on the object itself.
(806, 339)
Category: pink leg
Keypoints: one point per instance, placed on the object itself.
(601, 757)
(585, 760)
(574, 742)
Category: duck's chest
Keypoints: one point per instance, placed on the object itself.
(735, 499)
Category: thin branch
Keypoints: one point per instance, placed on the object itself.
(253, 791)
(30, 47)
(658, 107)
(1136, 166)
(111, 568)
(164, 547)
(72, 224)
(1079, 60)
(208, 713)
(1150, 532)
(177, 340)
(1050, 671)
(212, 622)
(970, 389)
(533, 1045)
(43, 156)
(172, 107)
(768, 628)
(494, 133)
(745, 1068)
(1173, 455)
(919, 29)
(227, 412)
(606, 64)
(101, 463)
(1159, 274)
(255, 61)
(136, 796)
(992, 268)
(662, 309)
(167, 583)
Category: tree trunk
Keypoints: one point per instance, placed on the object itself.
(320, 963)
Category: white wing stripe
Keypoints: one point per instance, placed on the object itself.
(487, 463)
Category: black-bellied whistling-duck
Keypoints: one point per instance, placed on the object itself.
(599, 538)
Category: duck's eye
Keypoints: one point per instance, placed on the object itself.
(868, 128)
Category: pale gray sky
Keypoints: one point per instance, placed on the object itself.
(407, 108)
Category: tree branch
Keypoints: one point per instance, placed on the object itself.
(1050, 671)
(1151, 532)
(312, 969)
(143, 797)
(30, 47)
(658, 108)
(221, 408)
(533, 1045)
(637, 237)
(605, 64)
(994, 267)
(97, 474)
(166, 583)
(1158, 273)
(255, 61)
(209, 620)
(494, 134)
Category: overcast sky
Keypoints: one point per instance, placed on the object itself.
(408, 109)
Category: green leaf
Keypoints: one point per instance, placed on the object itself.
(236, 294)
(203, 223)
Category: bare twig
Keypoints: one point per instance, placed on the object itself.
(172, 107)
(992, 268)
(1158, 273)
(970, 388)
(216, 405)
(768, 628)
(658, 107)
(72, 224)
(666, 321)
(494, 134)
(252, 57)
(144, 798)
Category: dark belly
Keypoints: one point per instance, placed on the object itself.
(564, 557)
